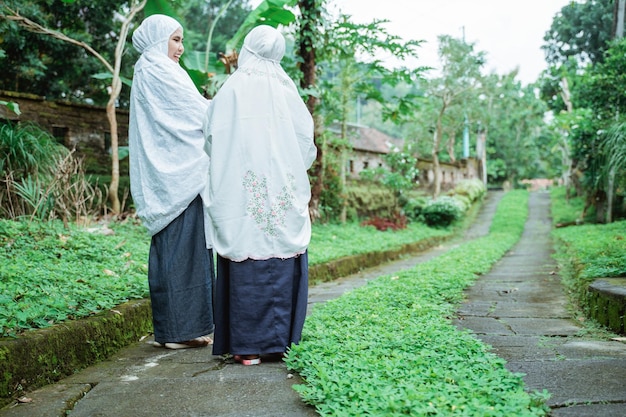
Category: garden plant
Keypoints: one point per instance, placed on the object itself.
(390, 349)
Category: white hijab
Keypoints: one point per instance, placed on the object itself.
(260, 139)
(167, 163)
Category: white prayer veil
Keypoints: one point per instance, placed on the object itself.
(167, 163)
(260, 138)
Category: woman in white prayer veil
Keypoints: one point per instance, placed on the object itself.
(168, 173)
(260, 139)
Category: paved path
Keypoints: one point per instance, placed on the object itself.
(521, 310)
(518, 308)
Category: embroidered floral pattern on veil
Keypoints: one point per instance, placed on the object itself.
(258, 73)
(268, 215)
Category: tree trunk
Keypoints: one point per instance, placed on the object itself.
(116, 88)
(115, 160)
(310, 11)
(435, 153)
(450, 147)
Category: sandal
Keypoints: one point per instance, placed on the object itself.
(201, 341)
(248, 360)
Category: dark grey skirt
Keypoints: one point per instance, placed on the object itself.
(260, 306)
(181, 278)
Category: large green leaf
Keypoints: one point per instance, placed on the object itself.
(270, 12)
(11, 105)
(160, 7)
(108, 76)
(194, 61)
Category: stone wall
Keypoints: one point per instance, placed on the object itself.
(451, 173)
(83, 127)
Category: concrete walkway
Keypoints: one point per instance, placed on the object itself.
(518, 308)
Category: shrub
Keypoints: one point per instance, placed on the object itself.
(41, 178)
(414, 206)
(442, 212)
(473, 189)
(397, 222)
(370, 200)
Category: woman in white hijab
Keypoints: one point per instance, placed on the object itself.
(168, 173)
(260, 139)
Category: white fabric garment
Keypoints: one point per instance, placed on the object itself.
(167, 163)
(260, 139)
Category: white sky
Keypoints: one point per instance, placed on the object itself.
(511, 33)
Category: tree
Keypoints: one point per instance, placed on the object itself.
(599, 90)
(582, 30)
(351, 72)
(116, 83)
(44, 66)
(459, 76)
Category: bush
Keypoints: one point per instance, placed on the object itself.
(414, 206)
(41, 178)
(473, 189)
(397, 222)
(370, 200)
(442, 212)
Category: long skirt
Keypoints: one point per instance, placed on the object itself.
(260, 306)
(181, 278)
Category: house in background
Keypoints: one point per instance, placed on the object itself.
(369, 147)
(86, 129)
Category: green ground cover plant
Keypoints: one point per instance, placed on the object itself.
(389, 348)
(50, 273)
(588, 252)
(565, 210)
(334, 241)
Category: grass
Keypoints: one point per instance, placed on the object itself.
(390, 349)
(585, 252)
(49, 274)
(588, 252)
(565, 210)
(335, 241)
(384, 349)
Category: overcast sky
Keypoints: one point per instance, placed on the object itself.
(511, 33)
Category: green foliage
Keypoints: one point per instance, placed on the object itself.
(442, 212)
(55, 69)
(26, 149)
(11, 105)
(581, 31)
(563, 209)
(41, 178)
(588, 252)
(447, 209)
(509, 210)
(333, 241)
(50, 273)
(598, 250)
(369, 200)
(399, 174)
(413, 207)
(389, 348)
(473, 189)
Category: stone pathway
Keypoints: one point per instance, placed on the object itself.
(521, 310)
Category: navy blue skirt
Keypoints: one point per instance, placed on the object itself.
(260, 306)
(181, 278)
